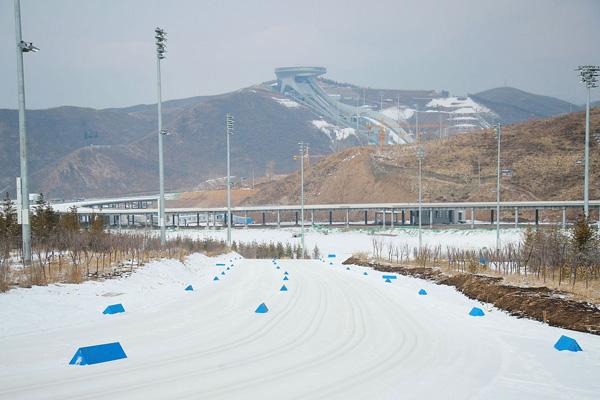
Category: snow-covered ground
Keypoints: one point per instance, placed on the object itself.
(332, 131)
(286, 102)
(336, 334)
(345, 243)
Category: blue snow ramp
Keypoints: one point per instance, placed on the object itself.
(189, 288)
(330, 255)
(567, 343)
(262, 309)
(476, 312)
(388, 281)
(114, 309)
(98, 354)
(222, 272)
(423, 292)
(389, 276)
(285, 278)
(283, 289)
(285, 273)
(216, 278)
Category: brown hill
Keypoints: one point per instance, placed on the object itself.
(542, 155)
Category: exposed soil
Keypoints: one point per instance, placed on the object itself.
(539, 303)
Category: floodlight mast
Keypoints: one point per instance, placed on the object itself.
(23, 47)
(589, 77)
(302, 154)
(228, 133)
(161, 38)
(420, 157)
(498, 138)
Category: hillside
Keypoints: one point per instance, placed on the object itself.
(542, 155)
(513, 105)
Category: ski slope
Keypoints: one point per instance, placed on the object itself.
(336, 334)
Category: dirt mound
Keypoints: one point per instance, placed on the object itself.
(539, 303)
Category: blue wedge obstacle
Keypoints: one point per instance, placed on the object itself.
(227, 268)
(388, 276)
(285, 273)
(261, 309)
(423, 292)
(476, 312)
(347, 268)
(222, 272)
(330, 255)
(283, 289)
(98, 354)
(388, 281)
(567, 343)
(216, 278)
(189, 288)
(285, 278)
(114, 309)
(365, 273)
(220, 264)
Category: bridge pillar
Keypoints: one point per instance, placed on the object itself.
(207, 220)
(330, 217)
(516, 217)
(472, 217)
(347, 218)
(245, 219)
(383, 218)
(366, 220)
(296, 218)
(279, 218)
(537, 217)
(564, 217)
(492, 217)
(197, 219)
(392, 220)
(431, 218)
(263, 218)
(312, 217)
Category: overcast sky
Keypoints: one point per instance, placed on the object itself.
(100, 53)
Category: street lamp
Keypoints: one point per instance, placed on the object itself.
(420, 157)
(228, 133)
(161, 37)
(302, 155)
(589, 77)
(498, 135)
(23, 212)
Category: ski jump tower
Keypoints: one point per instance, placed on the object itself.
(300, 84)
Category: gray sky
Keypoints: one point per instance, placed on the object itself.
(100, 53)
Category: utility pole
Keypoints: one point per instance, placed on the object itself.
(161, 38)
(302, 153)
(589, 77)
(228, 133)
(420, 157)
(23, 47)
(498, 135)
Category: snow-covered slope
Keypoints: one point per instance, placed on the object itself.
(335, 334)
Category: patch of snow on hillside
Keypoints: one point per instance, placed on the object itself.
(334, 132)
(396, 114)
(460, 105)
(286, 102)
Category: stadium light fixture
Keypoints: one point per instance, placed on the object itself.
(161, 37)
(228, 133)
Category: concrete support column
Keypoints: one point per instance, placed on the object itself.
(564, 217)
(347, 218)
(392, 220)
(472, 217)
(264, 218)
(383, 219)
(516, 217)
(537, 217)
(431, 218)
(197, 219)
(245, 219)
(207, 220)
(492, 217)
(279, 218)
(330, 217)
(312, 218)
(296, 218)
(366, 216)
(402, 216)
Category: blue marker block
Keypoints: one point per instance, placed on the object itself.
(114, 309)
(365, 273)
(389, 276)
(227, 268)
(388, 281)
(285, 278)
(476, 312)
(423, 292)
(262, 309)
(220, 264)
(98, 354)
(285, 273)
(330, 255)
(223, 273)
(347, 268)
(189, 288)
(216, 278)
(283, 289)
(567, 343)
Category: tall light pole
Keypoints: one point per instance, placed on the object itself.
(228, 133)
(23, 47)
(589, 77)
(302, 153)
(498, 135)
(420, 157)
(161, 38)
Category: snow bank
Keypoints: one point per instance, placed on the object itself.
(286, 102)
